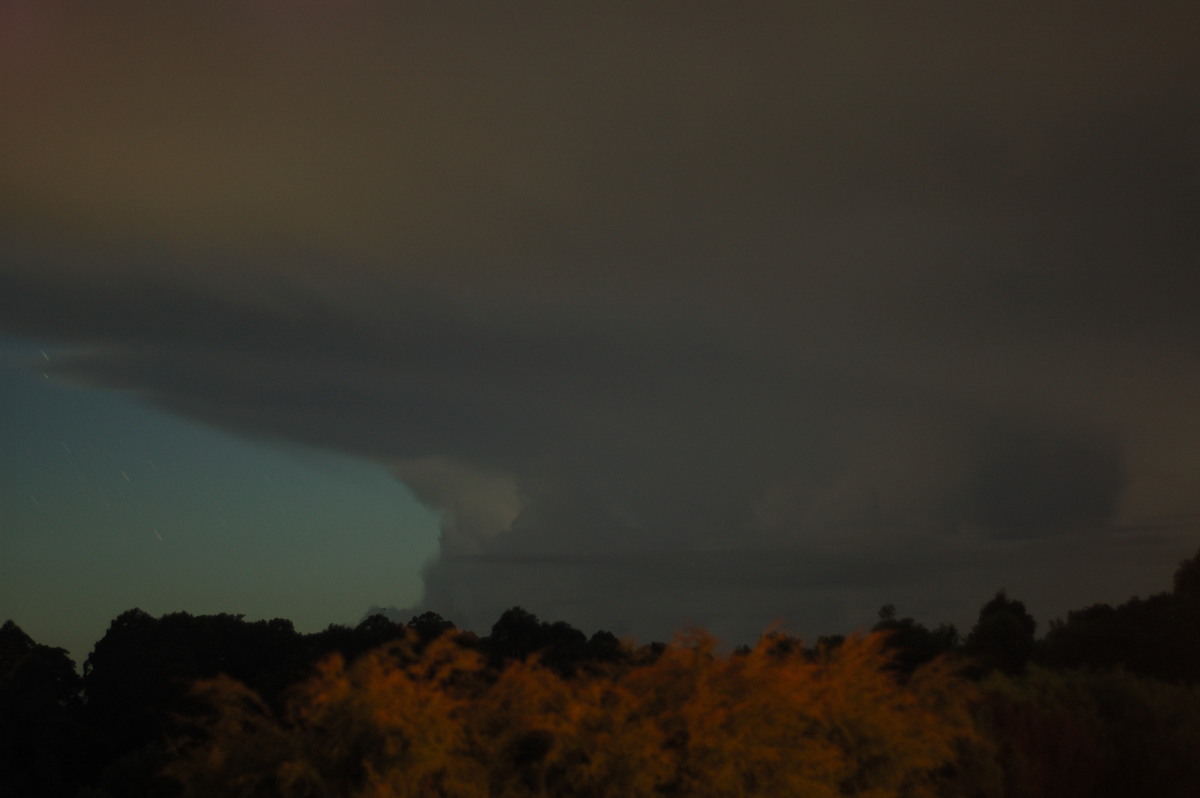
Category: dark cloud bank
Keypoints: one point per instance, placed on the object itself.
(709, 316)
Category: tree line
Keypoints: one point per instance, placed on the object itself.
(1107, 702)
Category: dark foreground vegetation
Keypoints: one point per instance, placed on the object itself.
(1107, 703)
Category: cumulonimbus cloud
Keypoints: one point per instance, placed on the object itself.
(606, 286)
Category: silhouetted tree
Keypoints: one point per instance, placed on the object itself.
(565, 647)
(535, 716)
(429, 626)
(828, 643)
(139, 675)
(1158, 636)
(40, 736)
(1187, 578)
(603, 646)
(1003, 637)
(127, 684)
(372, 633)
(910, 642)
(516, 634)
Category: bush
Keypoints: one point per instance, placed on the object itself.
(773, 721)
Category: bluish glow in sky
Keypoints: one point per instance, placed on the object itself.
(126, 506)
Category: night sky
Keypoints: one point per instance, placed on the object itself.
(638, 315)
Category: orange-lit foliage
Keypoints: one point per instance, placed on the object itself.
(691, 722)
(391, 724)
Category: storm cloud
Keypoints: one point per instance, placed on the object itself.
(674, 313)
